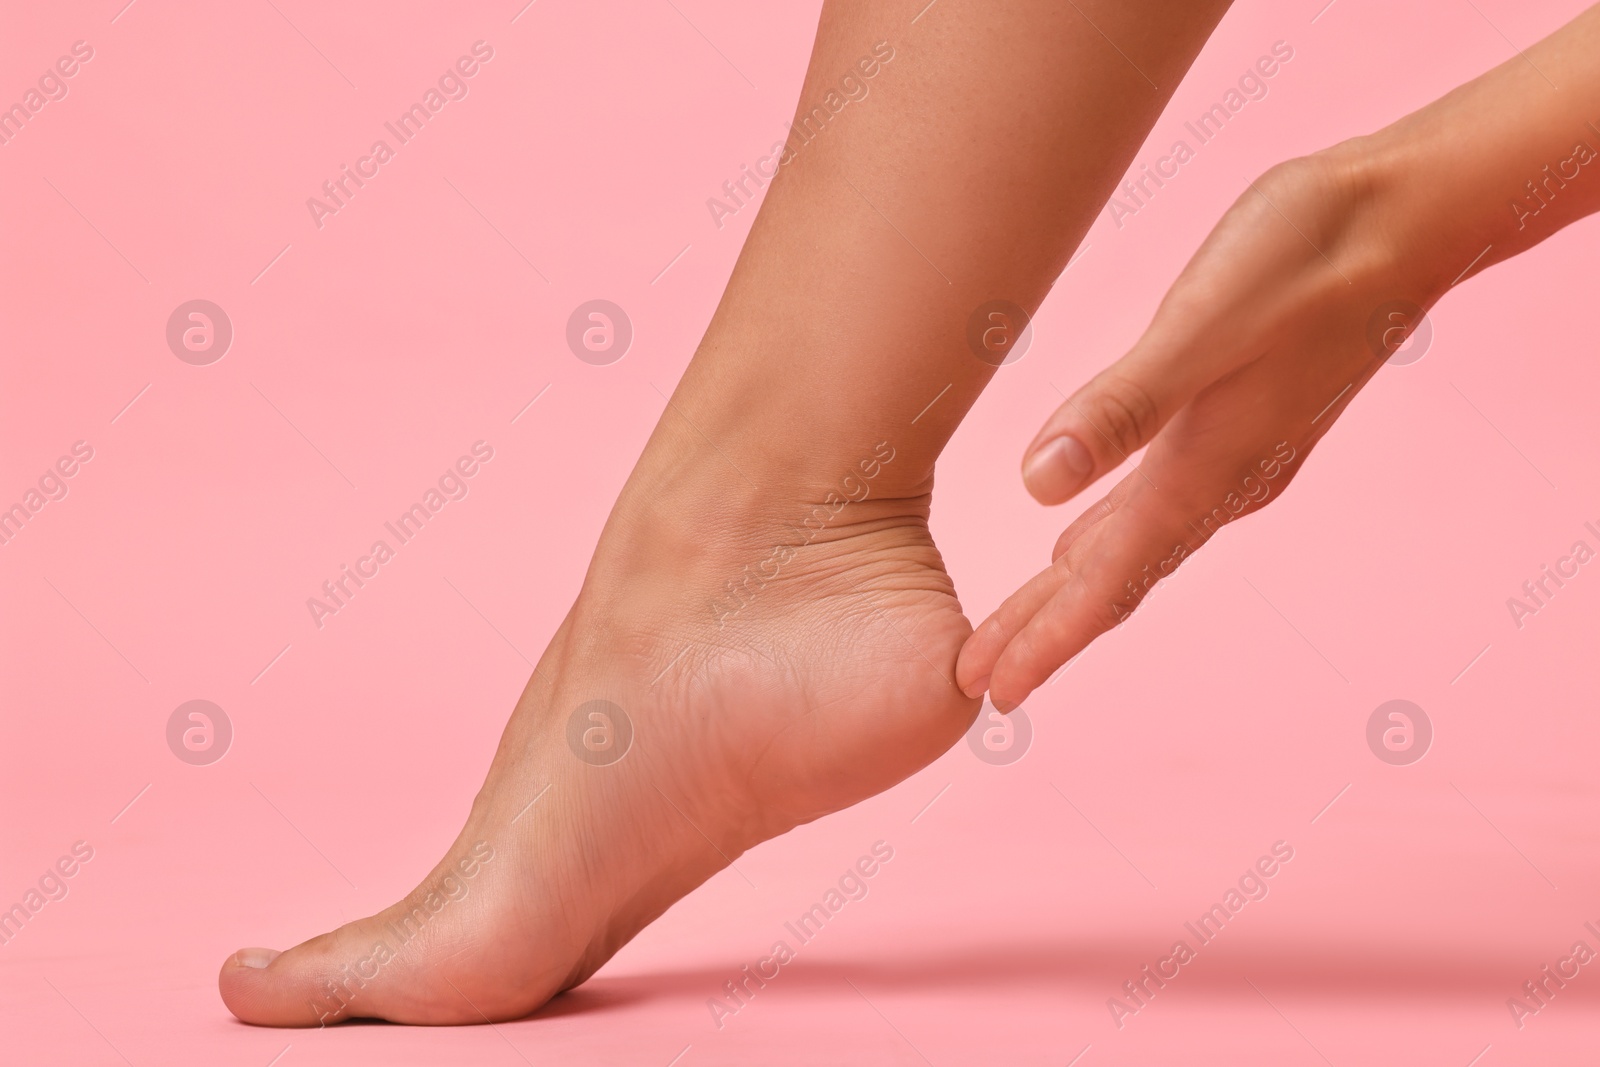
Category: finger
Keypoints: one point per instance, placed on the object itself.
(982, 649)
(1110, 559)
(1092, 594)
(1121, 410)
(1220, 315)
(1083, 523)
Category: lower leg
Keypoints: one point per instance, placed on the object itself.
(765, 611)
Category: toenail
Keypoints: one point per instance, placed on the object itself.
(258, 958)
(978, 688)
(1059, 469)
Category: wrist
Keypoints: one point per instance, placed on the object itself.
(1423, 229)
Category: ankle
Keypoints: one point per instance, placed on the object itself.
(719, 486)
(699, 533)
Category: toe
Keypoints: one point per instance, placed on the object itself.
(294, 988)
(450, 952)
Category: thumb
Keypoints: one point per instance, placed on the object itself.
(1125, 406)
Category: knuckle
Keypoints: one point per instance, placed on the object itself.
(1125, 413)
(1108, 612)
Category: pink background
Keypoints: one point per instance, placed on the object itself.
(1222, 719)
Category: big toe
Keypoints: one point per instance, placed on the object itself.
(353, 972)
(410, 964)
(299, 987)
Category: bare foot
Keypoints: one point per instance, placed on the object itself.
(751, 709)
(827, 673)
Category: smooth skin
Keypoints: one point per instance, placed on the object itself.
(1302, 291)
(766, 604)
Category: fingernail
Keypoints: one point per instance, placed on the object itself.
(257, 958)
(978, 688)
(1058, 470)
(1003, 706)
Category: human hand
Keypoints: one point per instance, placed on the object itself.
(1302, 291)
